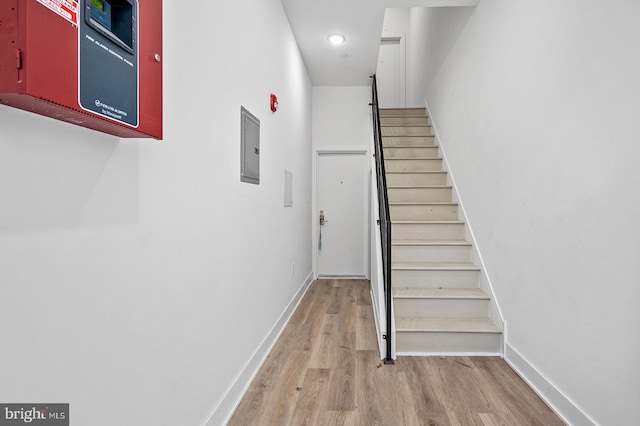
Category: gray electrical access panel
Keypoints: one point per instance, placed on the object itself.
(250, 147)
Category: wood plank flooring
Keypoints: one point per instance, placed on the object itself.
(325, 369)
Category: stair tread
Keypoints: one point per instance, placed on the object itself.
(421, 112)
(423, 242)
(417, 171)
(402, 115)
(382, 117)
(407, 136)
(403, 149)
(435, 266)
(413, 158)
(412, 146)
(440, 293)
(404, 125)
(422, 203)
(428, 222)
(419, 186)
(446, 325)
(405, 108)
(413, 185)
(425, 145)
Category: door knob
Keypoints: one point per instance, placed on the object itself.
(322, 219)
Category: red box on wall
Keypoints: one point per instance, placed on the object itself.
(92, 63)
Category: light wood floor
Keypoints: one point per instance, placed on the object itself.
(325, 369)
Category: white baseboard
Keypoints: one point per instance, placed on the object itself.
(222, 413)
(451, 354)
(550, 394)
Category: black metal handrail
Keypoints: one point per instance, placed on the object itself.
(385, 218)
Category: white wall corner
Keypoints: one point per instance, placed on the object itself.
(495, 312)
(377, 324)
(505, 336)
(560, 403)
(224, 409)
(376, 268)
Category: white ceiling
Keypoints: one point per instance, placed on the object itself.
(360, 21)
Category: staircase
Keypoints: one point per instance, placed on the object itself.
(439, 305)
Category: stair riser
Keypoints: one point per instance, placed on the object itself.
(413, 152)
(442, 308)
(427, 231)
(431, 165)
(391, 141)
(424, 212)
(419, 194)
(431, 253)
(406, 131)
(434, 279)
(416, 179)
(402, 111)
(408, 342)
(404, 121)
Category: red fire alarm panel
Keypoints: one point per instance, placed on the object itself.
(93, 63)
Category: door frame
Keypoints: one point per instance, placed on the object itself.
(402, 77)
(315, 226)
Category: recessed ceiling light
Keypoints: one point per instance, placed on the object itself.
(336, 39)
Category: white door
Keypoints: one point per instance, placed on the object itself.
(343, 199)
(390, 73)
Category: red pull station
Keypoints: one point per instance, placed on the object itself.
(18, 59)
(273, 103)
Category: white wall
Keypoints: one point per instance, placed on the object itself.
(396, 22)
(138, 278)
(391, 69)
(377, 270)
(536, 106)
(431, 34)
(427, 35)
(340, 117)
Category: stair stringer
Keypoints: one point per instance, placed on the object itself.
(484, 281)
